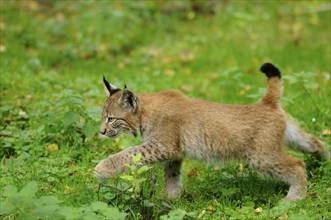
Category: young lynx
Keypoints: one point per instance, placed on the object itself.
(173, 126)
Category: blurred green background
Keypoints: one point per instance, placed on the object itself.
(54, 54)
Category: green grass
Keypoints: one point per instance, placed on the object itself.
(53, 56)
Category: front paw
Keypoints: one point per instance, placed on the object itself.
(103, 170)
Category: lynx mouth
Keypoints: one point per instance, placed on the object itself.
(112, 134)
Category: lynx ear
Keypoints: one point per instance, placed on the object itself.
(109, 88)
(128, 100)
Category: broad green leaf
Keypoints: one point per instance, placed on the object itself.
(143, 169)
(89, 129)
(47, 200)
(9, 190)
(94, 112)
(7, 207)
(127, 177)
(98, 206)
(61, 102)
(132, 168)
(24, 201)
(136, 182)
(136, 158)
(89, 216)
(71, 117)
(114, 214)
(76, 101)
(30, 189)
(45, 210)
(67, 213)
(109, 196)
(177, 214)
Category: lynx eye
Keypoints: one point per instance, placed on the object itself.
(110, 119)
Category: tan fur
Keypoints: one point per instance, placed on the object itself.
(174, 126)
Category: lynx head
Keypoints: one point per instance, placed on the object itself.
(120, 111)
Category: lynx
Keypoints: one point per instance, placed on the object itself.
(174, 126)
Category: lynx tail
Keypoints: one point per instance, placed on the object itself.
(274, 91)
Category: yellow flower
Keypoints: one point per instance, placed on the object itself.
(53, 147)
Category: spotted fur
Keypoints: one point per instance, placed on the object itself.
(174, 126)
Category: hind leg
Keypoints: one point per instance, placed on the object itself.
(283, 167)
(297, 139)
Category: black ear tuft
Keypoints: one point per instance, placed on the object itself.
(106, 83)
(110, 89)
(270, 70)
(125, 86)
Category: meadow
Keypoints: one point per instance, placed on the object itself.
(53, 57)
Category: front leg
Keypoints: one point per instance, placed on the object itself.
(115, 164)
(173, 179)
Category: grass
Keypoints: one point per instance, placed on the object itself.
(53, 56)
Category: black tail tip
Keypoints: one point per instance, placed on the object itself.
(270, 70)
